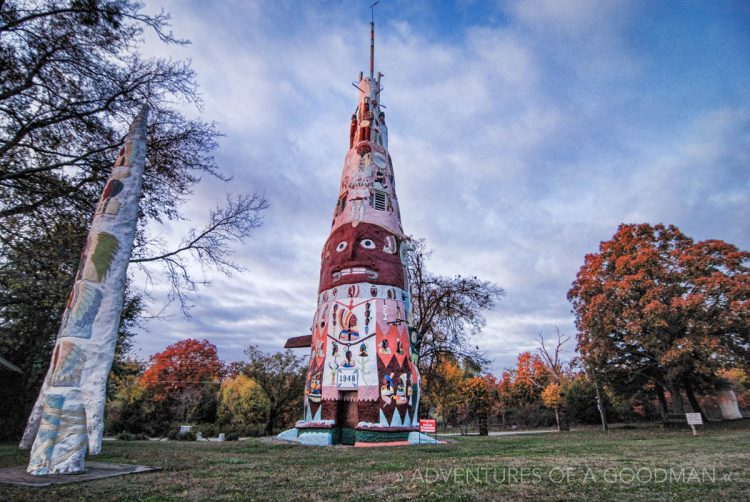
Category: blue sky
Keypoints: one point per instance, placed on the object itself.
(522, 134)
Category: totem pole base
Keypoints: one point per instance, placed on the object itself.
(94, 470)
(362, 437)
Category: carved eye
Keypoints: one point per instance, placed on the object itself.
(341, 246)
(367, 244)
(390, 245)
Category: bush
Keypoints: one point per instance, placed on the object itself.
(580, 403)
(129, 436)
(639, 407)
(207, 430)
(175, 435)
(231, 436)
(530, 415)
(252, 431)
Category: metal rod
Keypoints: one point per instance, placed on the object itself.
(372, 48)
(372, 38)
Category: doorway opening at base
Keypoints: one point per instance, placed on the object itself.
(347, 418)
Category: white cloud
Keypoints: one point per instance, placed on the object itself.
(517, 149)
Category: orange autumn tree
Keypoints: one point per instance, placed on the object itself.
(447, 394)
(520, 389)
(184, 377)
(505, 389)
(480, 395)
(531, 376)
(552, 398)
(525, 383)
(656, 310)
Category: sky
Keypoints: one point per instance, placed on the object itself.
(522, 134)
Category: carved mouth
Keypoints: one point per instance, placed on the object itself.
(371, 274)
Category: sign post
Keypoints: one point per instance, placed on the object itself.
(694, 419)
(428, 425)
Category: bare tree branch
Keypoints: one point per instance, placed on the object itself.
(209, 246)
(447, 311)
(552, 359)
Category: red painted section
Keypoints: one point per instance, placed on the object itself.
(299, 342)
(362, 249)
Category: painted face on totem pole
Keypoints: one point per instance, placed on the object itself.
(365, 253)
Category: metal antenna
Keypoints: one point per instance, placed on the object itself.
(372, 38)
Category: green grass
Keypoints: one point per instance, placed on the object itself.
(469, 468)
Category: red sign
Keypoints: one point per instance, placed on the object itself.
(427, 426)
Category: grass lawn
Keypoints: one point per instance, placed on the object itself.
(643, 464)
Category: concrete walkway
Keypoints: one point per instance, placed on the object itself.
(499, 433)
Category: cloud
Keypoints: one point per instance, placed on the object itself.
(522, 134)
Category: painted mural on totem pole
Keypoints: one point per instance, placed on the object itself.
(67, 419)
(363, 385)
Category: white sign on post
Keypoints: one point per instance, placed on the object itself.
(694, 419)
(347, 378)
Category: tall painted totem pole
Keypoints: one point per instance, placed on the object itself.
(362, 384)
(68, 415)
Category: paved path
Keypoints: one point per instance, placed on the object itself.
(499, 433)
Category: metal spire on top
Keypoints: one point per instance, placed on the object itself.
(372, 38)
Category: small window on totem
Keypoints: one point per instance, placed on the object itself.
(378, 200)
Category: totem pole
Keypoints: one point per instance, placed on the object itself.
(68, 415)
(362, 384)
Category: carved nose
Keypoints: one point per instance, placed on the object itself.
(351, 251)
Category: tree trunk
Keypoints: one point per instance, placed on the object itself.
(662, 401)
(677, 404)
(271, 420)
(564, 423)
(557, 419)
(694, 404)
(600, 405)
(482, 424)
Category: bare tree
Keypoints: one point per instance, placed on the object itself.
(447, 312)
(551, 356)
(553, 393)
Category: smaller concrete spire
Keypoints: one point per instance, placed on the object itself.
(137, 130)
(68, 417)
